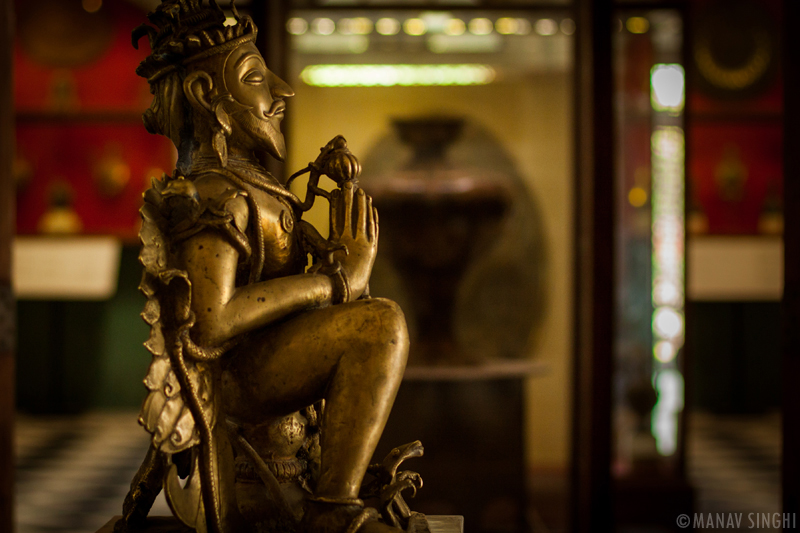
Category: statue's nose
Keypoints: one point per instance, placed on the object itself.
(281, 89)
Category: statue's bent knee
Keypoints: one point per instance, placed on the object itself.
(388, 323)
(378, 340)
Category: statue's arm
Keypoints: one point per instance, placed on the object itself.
(223, 310)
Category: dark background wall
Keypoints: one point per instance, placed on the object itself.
(736, 356)
(93, 354)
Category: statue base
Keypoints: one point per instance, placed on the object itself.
(169, 524)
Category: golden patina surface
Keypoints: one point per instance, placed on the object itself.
(271, 380)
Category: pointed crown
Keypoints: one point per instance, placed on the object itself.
(188, 31)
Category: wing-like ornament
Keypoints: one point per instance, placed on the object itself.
(180, 409)
(166, 412)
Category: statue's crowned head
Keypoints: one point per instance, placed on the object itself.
(209, 81)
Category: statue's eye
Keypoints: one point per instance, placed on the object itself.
(253, 76)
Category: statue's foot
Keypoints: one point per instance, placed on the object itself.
(417, 523)
(326, 517)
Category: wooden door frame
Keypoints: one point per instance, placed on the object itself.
(7, 307)
(591, 506)
(791, 242)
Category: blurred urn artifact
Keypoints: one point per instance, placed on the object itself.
(271, 381)
(461, 241)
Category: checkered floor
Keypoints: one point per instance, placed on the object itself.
(73, 472)
(734, 463)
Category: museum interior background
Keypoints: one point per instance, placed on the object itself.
(464, 118)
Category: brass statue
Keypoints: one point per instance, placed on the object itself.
(271, 382)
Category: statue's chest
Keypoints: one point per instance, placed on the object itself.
(283, 250)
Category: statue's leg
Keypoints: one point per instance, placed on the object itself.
(352, 355)
(145, 487)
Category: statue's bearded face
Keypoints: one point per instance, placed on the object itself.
(260, 95)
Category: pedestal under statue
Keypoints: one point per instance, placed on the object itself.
(271, 382)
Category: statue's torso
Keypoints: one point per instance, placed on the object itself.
(283, 249)
(284, 254)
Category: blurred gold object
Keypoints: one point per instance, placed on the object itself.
(60, 217)
(111, 172)
(735, 48)
(22, 172)
(770, 221)
(63, 33)
(730, 174)
(270, 384)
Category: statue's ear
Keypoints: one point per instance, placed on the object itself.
(197, 87)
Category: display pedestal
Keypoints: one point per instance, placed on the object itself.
(155, 524)
(169, 524)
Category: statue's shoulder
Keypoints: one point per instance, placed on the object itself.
(211, 184)
(222, 195)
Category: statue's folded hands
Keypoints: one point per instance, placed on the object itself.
(354, 224)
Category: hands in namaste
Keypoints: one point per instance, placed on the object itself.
(354, 223)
